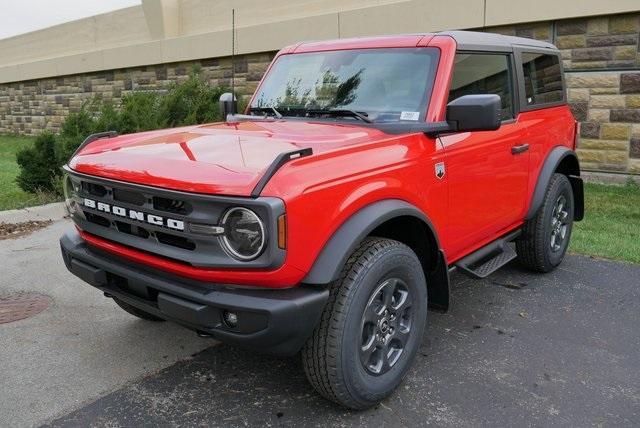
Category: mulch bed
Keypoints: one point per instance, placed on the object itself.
(16, 230)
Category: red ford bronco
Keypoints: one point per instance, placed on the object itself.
(327, 217)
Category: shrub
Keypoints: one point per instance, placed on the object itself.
(139, 112)
(37, 165)
(189, 102)
(107, 119)
(73, 131)
(78, 125)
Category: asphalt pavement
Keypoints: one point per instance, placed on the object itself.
(517, 349)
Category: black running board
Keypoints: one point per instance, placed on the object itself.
(488, 259)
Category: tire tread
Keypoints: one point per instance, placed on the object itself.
(531, 246)
(320, 353)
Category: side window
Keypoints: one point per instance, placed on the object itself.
(483, 74)
(542, 78)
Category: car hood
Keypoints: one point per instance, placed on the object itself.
(220, 158)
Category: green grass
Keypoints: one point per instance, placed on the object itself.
(611, 227)
(11, 196)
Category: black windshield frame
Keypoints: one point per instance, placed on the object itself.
(428, 80)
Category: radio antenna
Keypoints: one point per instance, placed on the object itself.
(233, 53)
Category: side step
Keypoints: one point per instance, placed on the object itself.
(488, 259)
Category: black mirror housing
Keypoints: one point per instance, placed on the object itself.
(475, 112)
(228, 104)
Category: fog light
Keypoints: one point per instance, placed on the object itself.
(230, 319)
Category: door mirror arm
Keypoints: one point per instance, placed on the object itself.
(228, 105)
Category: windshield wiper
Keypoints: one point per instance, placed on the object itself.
(342, 112)
(267, 110)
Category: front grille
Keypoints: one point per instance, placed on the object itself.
(138, 230)
(171, 205)
(132, 229)
(94, 189)
(175, 241)
(156, 221)
(135, 198)
(97, 219)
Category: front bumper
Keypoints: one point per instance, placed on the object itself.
(272, 321)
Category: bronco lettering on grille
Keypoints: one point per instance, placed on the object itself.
(153, 219)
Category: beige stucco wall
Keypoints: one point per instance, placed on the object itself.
(122, 27)
(165, 31)
(502, 12)
(199, 16)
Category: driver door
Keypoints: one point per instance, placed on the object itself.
(487, 170)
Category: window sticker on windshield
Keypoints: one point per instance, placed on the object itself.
(409, 115)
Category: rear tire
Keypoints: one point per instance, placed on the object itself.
(377, 308)
(136, 312)
(545, 237)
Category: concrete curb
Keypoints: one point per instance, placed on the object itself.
(54, 211)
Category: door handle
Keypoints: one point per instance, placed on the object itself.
(519, 149)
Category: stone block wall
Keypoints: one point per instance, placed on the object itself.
(607, 104)
(33, 106)
(601, 58)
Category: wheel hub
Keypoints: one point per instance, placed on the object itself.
(383, 325)
(559, 224)
(386, 324)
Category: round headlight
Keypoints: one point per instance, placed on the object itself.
(69, 194)
(244, 235)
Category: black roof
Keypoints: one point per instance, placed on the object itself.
(476, 40)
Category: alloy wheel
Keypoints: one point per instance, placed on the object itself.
(386, 326)
(559, 224)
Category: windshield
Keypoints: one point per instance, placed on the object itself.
(363, 84)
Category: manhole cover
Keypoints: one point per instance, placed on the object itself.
(18, 306)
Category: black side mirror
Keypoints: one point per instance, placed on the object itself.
(228, 104)
(475, 112)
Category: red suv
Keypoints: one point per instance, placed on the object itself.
(327, 217)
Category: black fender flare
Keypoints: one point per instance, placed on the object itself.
(564, 160)
(346, 238)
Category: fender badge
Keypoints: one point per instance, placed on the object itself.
(440, 170)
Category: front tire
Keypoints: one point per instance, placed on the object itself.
(371, 327)
(545, 237)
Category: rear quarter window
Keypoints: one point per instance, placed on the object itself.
(542, 79)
